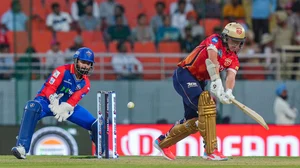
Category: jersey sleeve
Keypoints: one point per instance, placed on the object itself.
(79, 94)
(54, 81)
(235, 65)
(213, 42)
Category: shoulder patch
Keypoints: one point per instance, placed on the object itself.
(52, 80)
(214, 40)
(56, 74)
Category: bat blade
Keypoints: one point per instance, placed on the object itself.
(254, 115)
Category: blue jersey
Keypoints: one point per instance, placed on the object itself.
(63, 80)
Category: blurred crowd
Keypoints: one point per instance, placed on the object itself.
(270, 24)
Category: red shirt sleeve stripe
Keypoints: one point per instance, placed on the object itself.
(54, 81)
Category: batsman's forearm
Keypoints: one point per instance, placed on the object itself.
(230, 82)
(213, 56)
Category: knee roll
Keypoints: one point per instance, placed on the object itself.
(179, 132)
(33, 106)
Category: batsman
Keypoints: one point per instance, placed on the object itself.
(216, 53)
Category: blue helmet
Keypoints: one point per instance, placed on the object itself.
(85, 54)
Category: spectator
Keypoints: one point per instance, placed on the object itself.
(233, 10)
(28, 66)
(179, 17)
(143, 31)
(284, 113)
(167, 32)
(282, 34)
(6, 62)
(157, 20)
(250, 47)
(118, 32)
(175, 6)
(88, 22)
(188, 43)
(14, 19)
(54, 57)
(294, 21)
(212, 9)
(118, 12)
(107, 9)
(3, 38)
(57, 20)
(197, 30)
(261, 12)
(267, 44)
(78, 9)
(126, 66)
(78, 43)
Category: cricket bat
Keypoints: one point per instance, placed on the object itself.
(211, 69)
(254, 115)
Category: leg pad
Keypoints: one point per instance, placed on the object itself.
(179, 132)
(207, 121)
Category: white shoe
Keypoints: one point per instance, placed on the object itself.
(216, 155)
(19, 152)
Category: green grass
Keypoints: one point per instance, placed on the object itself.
(146, 162)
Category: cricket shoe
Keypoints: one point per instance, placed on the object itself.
(166, 152)
(216, 155)
(19, 152)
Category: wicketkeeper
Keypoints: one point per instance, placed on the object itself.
(59, 97)
(216, 53)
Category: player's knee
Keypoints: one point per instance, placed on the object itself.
(191, 125)
(33, 106)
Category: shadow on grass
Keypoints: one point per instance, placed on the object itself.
(83, 157)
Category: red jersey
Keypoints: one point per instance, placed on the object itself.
(63, 80)
(195, 61)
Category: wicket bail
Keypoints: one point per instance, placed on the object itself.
(103, 135)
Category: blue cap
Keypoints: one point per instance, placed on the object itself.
(280, 88)
(84, 54)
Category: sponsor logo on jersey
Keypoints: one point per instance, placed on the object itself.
(68, 81)
(66, 90)
(227, 62)
(52, 80)
(192, 84)
(56, 74)
(214, 40)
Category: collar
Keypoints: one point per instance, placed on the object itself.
(72, 69)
